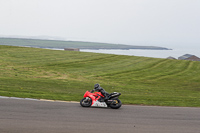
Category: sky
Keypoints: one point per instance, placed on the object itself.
(167, 23)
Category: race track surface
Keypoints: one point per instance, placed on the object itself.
(30, 116)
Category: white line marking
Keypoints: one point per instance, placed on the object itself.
(4, 97)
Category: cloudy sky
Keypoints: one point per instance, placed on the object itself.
(134, 22)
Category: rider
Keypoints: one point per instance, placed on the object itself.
(98, 88)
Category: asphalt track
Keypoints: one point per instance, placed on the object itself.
(34, 116)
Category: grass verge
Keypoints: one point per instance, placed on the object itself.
(66, 75)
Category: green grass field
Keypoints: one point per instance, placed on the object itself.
(66, 75)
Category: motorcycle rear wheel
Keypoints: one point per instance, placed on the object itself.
(117, 104)
(85, 103)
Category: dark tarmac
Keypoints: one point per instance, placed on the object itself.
(34, 116)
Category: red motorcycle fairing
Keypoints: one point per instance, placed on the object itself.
(95, 97)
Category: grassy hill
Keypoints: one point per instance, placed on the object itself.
(69, 44)
(66, 75)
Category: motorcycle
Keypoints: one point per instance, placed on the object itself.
(96, 100)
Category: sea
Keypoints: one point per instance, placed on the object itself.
(175, 52)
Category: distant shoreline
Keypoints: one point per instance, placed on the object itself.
(58, 44)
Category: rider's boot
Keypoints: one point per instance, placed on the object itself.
(105, 98)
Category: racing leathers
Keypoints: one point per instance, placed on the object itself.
(100, 89)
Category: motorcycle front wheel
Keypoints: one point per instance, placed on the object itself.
(116, 104)
(86, 102)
